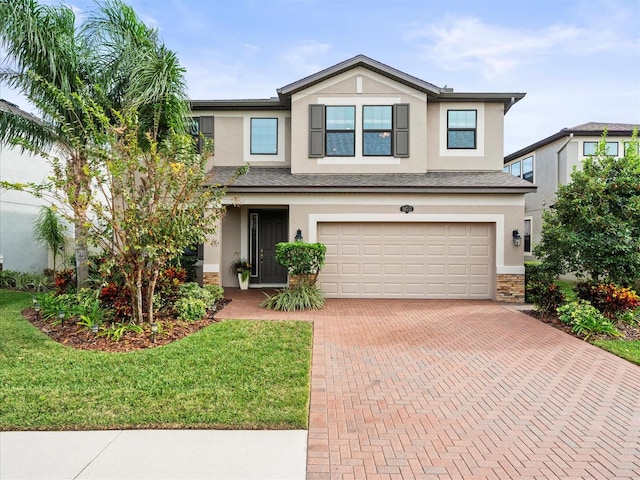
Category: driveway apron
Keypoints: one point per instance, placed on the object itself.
(426, 389)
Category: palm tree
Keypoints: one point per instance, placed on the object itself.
(48, 230)
(114, 60)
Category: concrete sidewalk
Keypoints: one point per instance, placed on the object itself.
(154, 454)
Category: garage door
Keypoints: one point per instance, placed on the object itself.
(400, 260)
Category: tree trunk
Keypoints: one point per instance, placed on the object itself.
(82, 253)
(150, 290)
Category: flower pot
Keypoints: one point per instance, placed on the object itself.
(244, 284)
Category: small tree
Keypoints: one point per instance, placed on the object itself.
(48, 231)
(594, 227)
(152, 201)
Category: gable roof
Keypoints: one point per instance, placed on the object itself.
(281, 180)
(584, 130)
(283, 101)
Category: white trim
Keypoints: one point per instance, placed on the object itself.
(509, 270)
(498, 219)
(359, 84)
(211, 268)
(357, 102)
(358, 161)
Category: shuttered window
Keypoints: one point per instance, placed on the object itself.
(385, 130)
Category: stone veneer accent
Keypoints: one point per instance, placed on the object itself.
(510, 288)
(211, 278)
(296, 279)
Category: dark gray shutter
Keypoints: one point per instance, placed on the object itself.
(401, 130)
(316, 131)
(206, 129)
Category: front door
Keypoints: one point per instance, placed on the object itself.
(272, 228)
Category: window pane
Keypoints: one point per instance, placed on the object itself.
(527, 169)
(507, 169)
(264, 136)
(515, 169)
(341, 118)
(377, 143)
(462, 139)
(589, 148)
(612, 148)
(527, 236)
(462, 118)
(340, 144)
(376, 118)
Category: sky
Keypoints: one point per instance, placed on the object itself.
(578, 61)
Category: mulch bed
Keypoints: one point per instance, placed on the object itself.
(629, 332)
(73, 335)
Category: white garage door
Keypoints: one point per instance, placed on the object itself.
(400, 260)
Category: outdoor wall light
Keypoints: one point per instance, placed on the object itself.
(516, 238)
(154, 332)
(299, 236)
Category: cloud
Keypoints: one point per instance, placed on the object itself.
(303, 58)
(467, 43)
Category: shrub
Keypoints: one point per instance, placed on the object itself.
(216, 291)
(303, 296)
(610, 299)
(546, 297)
(190, 308)
(169, 281)
(118, 299)
(51, 304)
(301, 258)
(65, 281)
(586, 320)
(116, 332)
(24, 280)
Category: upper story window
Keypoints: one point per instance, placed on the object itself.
(340, 131)
(377, 124)
(522, 168)
(383, 130)
(264, 136)
(201, 127)
(628, 144)
(461, 129)
(589, 148)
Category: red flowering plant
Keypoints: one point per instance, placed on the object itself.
(65, 281)
(610, 299)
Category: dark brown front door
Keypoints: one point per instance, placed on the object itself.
(272, 229)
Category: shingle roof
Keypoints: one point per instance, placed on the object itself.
(281, 180)
(586, 129)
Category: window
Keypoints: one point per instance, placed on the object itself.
(589, 148)
(507, 169)
(627, 145)
(200, 129)
(461, 129)
(340, 128)
(516, 169)
(376, 130)
(527, 235)
(527, 169)
(264, 136)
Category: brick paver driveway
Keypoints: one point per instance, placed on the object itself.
(457, 389)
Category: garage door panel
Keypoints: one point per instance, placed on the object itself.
(395, 260)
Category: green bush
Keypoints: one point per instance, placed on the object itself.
(301, 258)
(193, 290)
(24, 280)
(216, 291)
(303, 296)
(537, 276)
(586, 320)
(190, 308)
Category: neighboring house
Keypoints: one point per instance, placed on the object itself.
(18, 210)
(549, 163)
(402, 181)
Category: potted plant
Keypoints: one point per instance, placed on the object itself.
(243, 268)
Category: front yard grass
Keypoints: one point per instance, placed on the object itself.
(233, 374)
(629, 350)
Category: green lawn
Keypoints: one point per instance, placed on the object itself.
(234, 374)
(629, 350)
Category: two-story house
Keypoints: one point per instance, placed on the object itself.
(549, 163)
(400, 179)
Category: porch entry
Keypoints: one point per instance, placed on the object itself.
(267, 227)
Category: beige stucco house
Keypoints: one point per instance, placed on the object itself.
(549, 163)
(402, 180)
